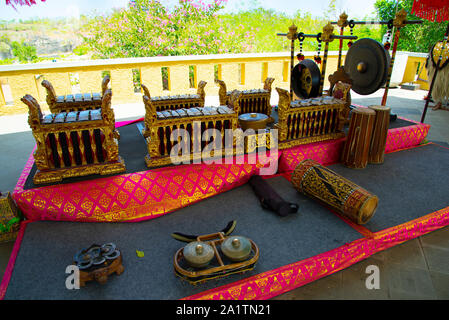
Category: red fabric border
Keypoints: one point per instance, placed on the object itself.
(275, 282)
(12, 260)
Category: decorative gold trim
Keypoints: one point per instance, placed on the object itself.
(56, 175)
(400, 18)
(301, 141)
(285, 111)
(328, 32)
(67, 106)
(343, 20)
(254, 100)
(292, 32)
(47, 171)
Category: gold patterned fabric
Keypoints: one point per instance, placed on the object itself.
(330, 188)
(9, 218)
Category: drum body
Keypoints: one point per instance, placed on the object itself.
(356, 149)
(335, 191)
(380, 132)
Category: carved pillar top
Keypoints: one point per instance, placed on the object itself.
(343, 20)
(292, 32)
(400, 18)
(222, 92)
(234, 100)
(104, 84)
(328, 32)
(201, 91)
(267, 84)
(34, 111)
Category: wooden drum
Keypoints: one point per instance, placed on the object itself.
(380, 132)
(356, 150)
(331, 189)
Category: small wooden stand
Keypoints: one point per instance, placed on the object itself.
(100, 273)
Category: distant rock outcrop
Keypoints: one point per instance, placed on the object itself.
(50, 46)
(5, 51)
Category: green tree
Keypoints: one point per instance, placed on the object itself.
(414, 37)
(23, 51)
(148, 28)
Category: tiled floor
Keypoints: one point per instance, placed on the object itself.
(417, 269)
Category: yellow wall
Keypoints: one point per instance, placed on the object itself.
(24, 82)
(410, 72)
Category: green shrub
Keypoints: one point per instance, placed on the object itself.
(23, 51)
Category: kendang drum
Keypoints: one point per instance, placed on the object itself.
(356, 149)
(335, 191)
(380, 132)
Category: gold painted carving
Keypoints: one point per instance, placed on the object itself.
(47, 171)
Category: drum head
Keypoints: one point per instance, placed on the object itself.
(367, 63)
(306, 79)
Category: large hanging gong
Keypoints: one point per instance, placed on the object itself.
(367, 64)
(306, 79)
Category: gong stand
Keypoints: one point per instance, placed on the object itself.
(398, 22)
(423, 116)
(326, 36)
(342, 23)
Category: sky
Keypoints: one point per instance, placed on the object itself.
(72, 8)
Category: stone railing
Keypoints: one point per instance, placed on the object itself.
(162, 75)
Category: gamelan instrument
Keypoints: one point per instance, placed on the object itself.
(251, 101)
(309, 120)
(380, 133)
(335, 191)
(270, 199)
(77, 143)
(255, 121)
(300, 80)
(98, 262)
(367, 64)
(74, 102)
(358, 141)
(306, 79)
(372, 78)
(175, 102)
(159, 126)
(214, 255)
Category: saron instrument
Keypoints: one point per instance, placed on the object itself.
(335, 191)
(357, 146)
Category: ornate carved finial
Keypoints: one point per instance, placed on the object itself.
(343, 20)
(34, 111)
(200, 90)
(104, 84)
(222, 92)
(267, 83)
(328, 32)
(292, 32)
(51, 94)
(400, 18)
(146, 91)
(234, 100)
